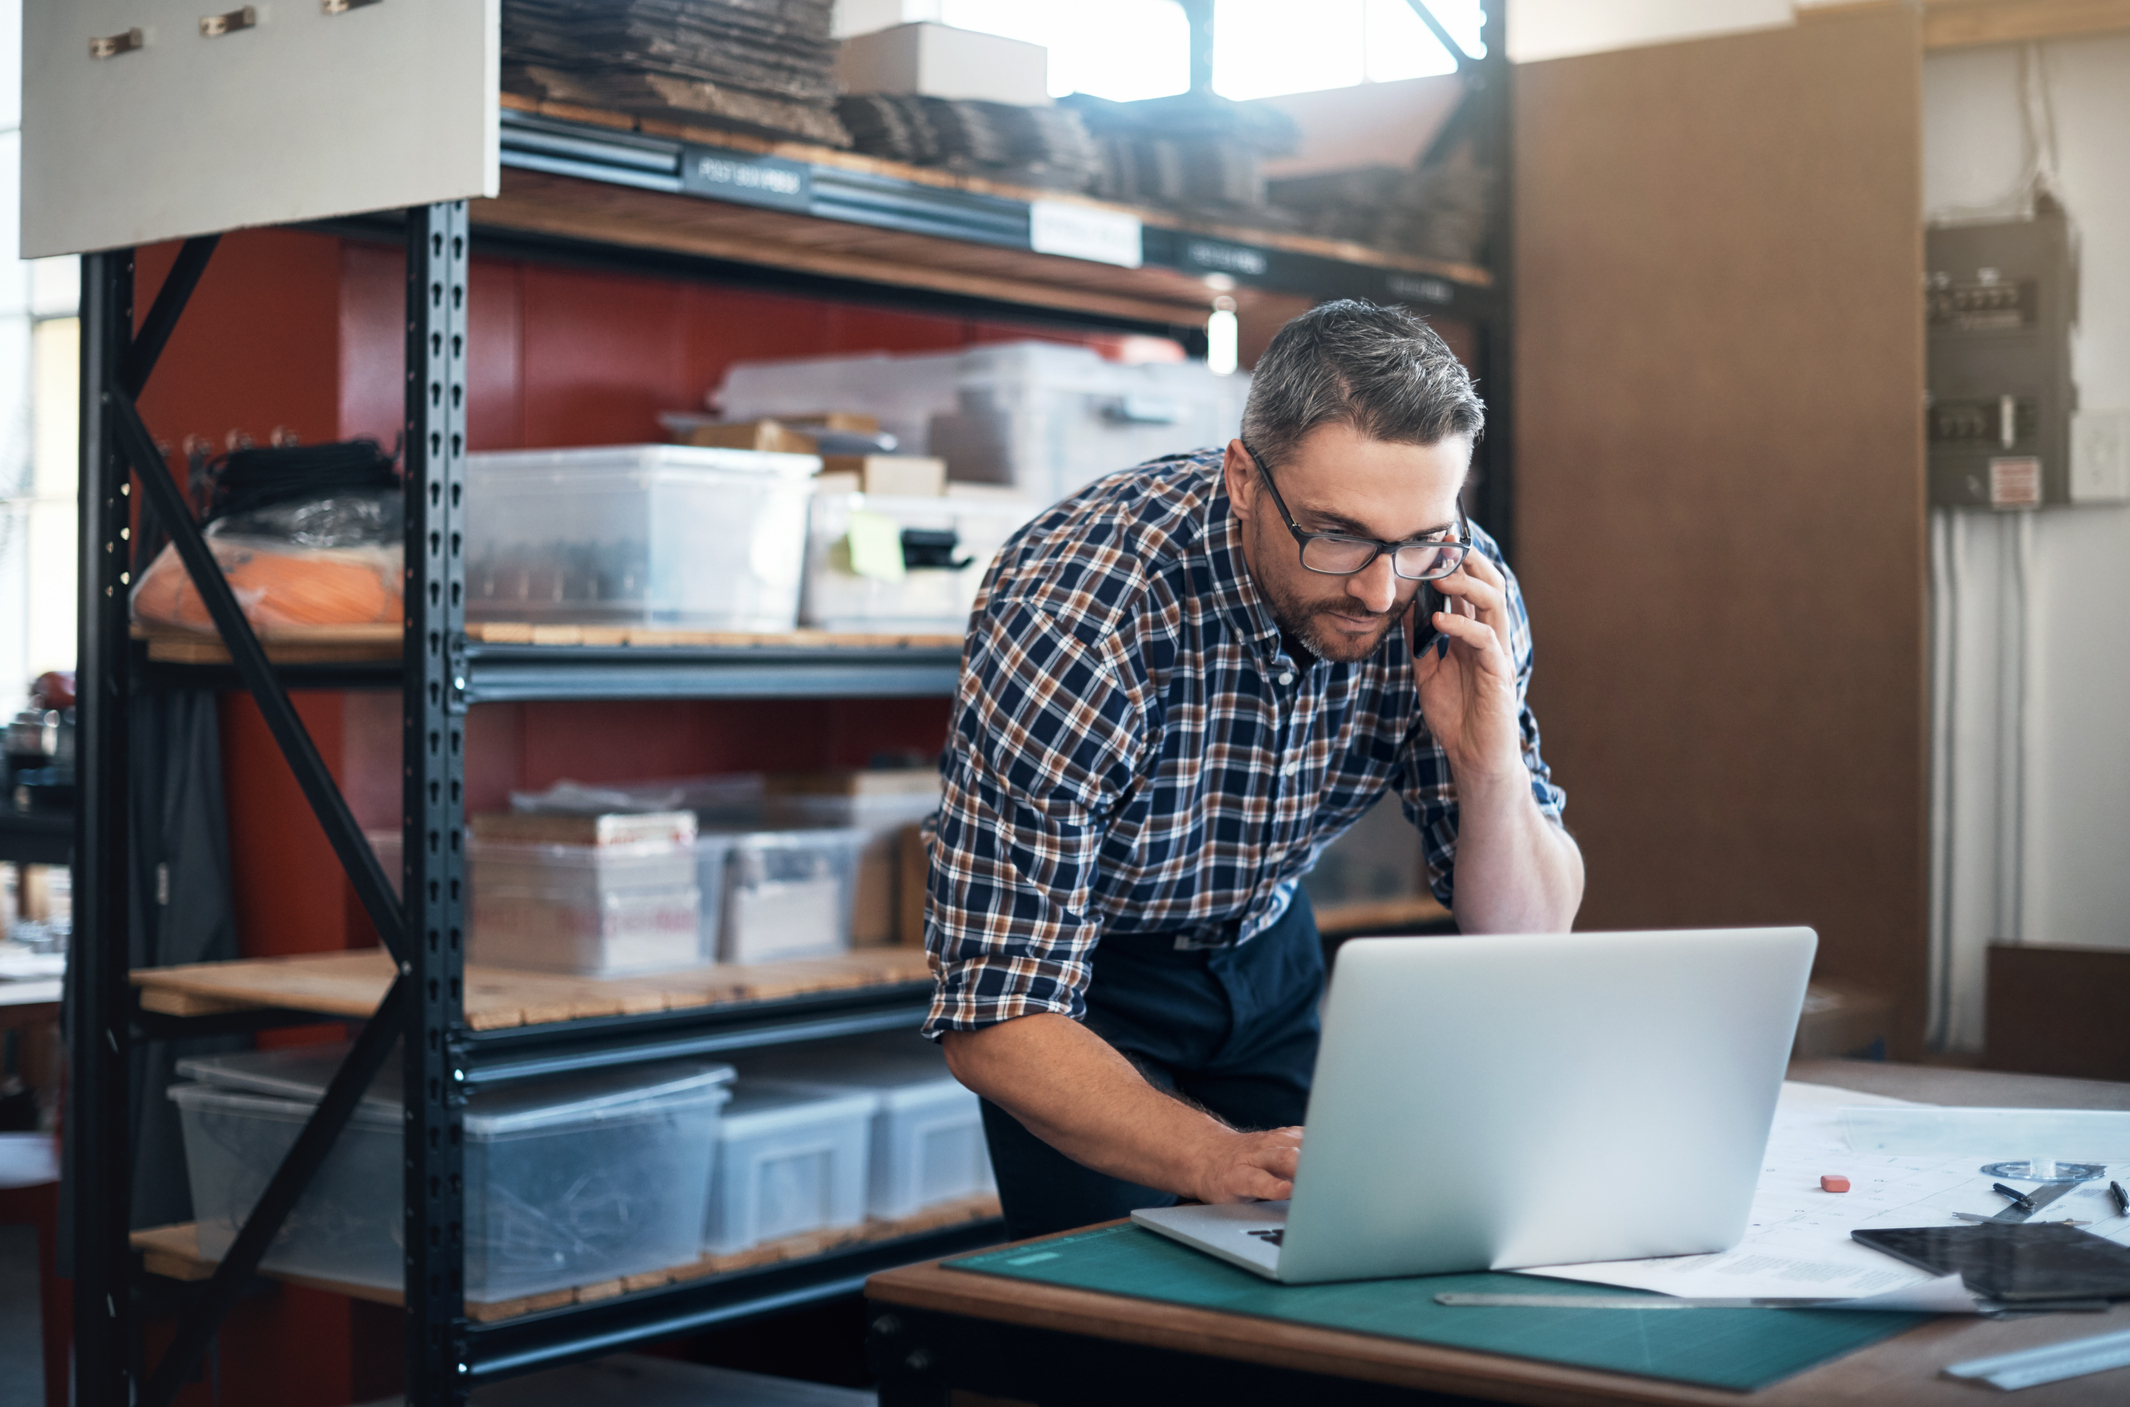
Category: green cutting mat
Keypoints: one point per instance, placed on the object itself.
(1741, 1349)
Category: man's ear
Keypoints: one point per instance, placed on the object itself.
(1241, 478)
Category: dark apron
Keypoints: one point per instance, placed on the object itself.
(1233, 1029)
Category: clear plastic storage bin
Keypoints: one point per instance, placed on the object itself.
(596, 910)
(1045, 417)
(591, 910)
(777, 873)
(790, 1159)
(948, 544)
(788, 893)
(881, 816)
(658, 535)
(928, 1128)
(568, 1182)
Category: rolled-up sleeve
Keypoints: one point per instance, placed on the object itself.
(1429, 792)
(1045, 738)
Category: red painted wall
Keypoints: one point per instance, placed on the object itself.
(563, 356)
(304, 332)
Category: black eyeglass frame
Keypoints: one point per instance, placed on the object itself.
(1462, 545)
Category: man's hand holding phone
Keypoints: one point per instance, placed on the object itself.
(1467, 674)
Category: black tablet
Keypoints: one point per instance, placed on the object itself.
(2013, 1262)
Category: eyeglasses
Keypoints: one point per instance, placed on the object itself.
(1341, 554)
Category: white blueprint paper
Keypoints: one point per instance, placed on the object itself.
(1797, 1237)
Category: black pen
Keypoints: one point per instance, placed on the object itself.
(2122, 1198)
(2019, 1199)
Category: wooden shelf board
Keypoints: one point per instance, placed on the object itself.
(537, 202)
(1380, 913)
(1344, 251)
(351, 984)
(650, 637)
(174, 1253)
(1962, 24)
(347, 644)
(287, 644)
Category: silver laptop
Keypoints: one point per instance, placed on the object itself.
(1489, 1103)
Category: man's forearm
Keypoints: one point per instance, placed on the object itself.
(1517, 870)
(1078, 1094)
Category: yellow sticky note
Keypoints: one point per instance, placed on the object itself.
(876, 546)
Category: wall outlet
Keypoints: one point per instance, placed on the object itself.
(2100, 456)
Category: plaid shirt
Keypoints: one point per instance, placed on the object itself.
(1134, 750)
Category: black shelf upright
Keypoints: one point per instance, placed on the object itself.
(432, 966)
(117, 453)
(95, 1149)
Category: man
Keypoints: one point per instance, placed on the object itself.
(1179, 687)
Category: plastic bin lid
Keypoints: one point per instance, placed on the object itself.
(574, 858)
(771, 1106)
(901, 1077)
(895, 1095)
(300, 1074)
(790, 836)
(560, 854)
(666, 794)
(369, 1113)
(861, 810)
(499, 467)
(612, 1094)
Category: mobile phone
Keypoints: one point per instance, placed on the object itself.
(1429, 602)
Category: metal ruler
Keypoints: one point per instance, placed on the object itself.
(1628, 1302)
(2050, 1364)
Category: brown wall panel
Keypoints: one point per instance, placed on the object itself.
(1719, 481)
(2056, 1009)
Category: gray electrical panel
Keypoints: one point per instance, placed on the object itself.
(2001, 299)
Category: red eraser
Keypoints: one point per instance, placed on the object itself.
(1832, 1183)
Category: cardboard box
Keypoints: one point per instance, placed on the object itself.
(855, 781)
(940, 61)
(896, 475)
(772, 435)
(881, 803)
(915, 858)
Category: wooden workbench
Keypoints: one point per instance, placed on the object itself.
(938, 1334)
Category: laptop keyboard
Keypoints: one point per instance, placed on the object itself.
(1270, 1234)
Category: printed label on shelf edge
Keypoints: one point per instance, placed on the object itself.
(754, 180)
(1084, 232)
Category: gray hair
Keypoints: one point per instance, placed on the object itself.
(1381, 370)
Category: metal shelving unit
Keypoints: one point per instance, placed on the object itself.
(510, 673)
(442, 673)
(533, 673)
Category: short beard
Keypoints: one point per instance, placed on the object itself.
(1298, 622)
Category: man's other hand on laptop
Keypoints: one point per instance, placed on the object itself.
(1077, 1093)
(1246, 1167)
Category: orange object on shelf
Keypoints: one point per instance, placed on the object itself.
(277, 584)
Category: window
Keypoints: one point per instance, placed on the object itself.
(1263, 48)
(1117, 49)
(1129, 49)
